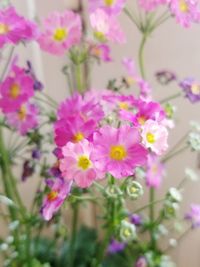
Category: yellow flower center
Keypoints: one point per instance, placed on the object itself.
(150, 138)
(154, 169)
(96, 52)
(142, 120)
(118, 152)
(78, 137)
(14, 91)
(123, 105)
(127, 232)
(4, 28)
(133, 189)
(183, 6)
(84, 162)
(60, 34)
(109, 2)
(195, 89)
(100, 36)
(52, 195)
(22, 113)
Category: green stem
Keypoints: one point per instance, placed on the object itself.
(79, 78)
(7, 63)
(148, 205)
(73, 237)
(167, 99)
(141, 54)
(152, 216)
(132, 17)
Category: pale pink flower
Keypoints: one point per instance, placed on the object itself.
(150, 5)
(118, 151)
(101, 51)
(155, 136)
(155, 171)
(61, 32)
(78, 165)
(109, 6)
(194, 215)
(106, 27)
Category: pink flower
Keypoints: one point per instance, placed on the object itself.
(101, 51)
(150, 5)
(120, 102)
(14, 28)
(78, 164)
(118, 151)
(61, 32)
(109, 6)
(74, 129)
(15, 90)
(24, 119)
(194, 215)
(155, 136)
(155, 171)
(106, 27)
(185, 11)
(60, 189)
(87, 109)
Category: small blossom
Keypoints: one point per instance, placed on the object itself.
(170, 209)
(194, 215)
(174, 195)
(112, 7)
(155, 137)
(155, 171)
(115, 247)
(106, 27)
(78, 164)
(136, 219)
(113, 191)
(134, 189)
(141, 262)
(60, 189)
(101, 51)
(191, 174)
(165, 77)
(191, 87)
(118, 151)
(60, 32)
(127, 231)
(194, 141)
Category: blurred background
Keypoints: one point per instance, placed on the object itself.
(170, 47)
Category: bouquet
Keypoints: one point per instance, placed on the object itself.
(105, 150)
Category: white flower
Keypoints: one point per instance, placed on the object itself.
(6, 201)
(134, 189)
(191, 174)
(127, 231)
(13, 225)
(175, 195)
(195, 125)
(194, 141)
(3, 247)
(173, 242)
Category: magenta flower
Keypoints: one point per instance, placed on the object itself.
(24, 119)
(106, 27)
(118, 151)
(15, 90)
(155, 137)
(101, 51)
(109, 6)
(78, 164)
(60, 189)
(194, 215)
(155, 171)
(74, 130)
(191, 87)
(120, 102)
(87, 109)
(14, 28)
(60, 32)
(185, 11)
(150, 5)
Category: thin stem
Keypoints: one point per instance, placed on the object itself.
(73, 237)
(172, 97)
(79, 78)
(152, 215)
(141, 54)
(7, 63)
(132, 17)
(49, 98)
(148, 205)
(175, 154)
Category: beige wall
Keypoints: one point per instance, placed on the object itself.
(169, 47)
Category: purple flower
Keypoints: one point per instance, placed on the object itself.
(36, 153)
(136, 219)
(191, 87)
(194, 215)
(115, 246)
(38, 86)
(165, 77)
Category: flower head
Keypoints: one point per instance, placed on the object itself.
(109, 6)
(155, 171)
(101, 51)
(127, 231)
(106, 27)
(78, 164)
(141, 262)
(194, 215)
(150, 5)
(15, 90)
(15, 28)
(60, 32)
(118, 151)
(115, 246)
(24, 119)
(60, 189)
(191, 87)
(155, 137)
